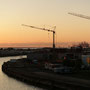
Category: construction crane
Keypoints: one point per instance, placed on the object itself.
(49, 30)
(80, 15)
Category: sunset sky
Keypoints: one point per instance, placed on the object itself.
(43, 13)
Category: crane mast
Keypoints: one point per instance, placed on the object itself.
(80, 15)
(49, 30)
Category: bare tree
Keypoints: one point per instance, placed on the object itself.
(84, 45)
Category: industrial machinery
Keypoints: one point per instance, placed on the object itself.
(49, 30)
(80, 15)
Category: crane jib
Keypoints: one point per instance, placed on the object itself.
(80, 15)
(45, 30)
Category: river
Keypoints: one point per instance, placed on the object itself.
(8, 83)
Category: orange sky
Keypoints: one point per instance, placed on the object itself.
(43, 13)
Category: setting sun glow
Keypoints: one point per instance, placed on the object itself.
(44, 14)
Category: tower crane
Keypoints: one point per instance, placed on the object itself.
(49, 30)
(80, 15)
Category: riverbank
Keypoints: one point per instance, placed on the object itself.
(5, 52)
(9, 83)
(12, 55)
(30, 74)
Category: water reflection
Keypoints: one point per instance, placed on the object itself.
(8, 83)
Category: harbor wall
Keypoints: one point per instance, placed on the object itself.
(38, 79)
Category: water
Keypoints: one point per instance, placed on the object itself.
(8, 83)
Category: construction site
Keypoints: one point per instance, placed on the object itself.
(55, 68)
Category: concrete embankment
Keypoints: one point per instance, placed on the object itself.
(39, 78)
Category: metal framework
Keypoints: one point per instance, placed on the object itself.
(80, 15)
(49, 30)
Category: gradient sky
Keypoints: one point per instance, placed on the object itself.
(43, 13)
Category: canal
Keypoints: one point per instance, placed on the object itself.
(8, 83)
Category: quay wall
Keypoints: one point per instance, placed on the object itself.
(42, 80)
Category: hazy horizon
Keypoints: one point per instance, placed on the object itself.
(42, 44)
(45, 14)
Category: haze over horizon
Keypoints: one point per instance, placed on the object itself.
(39, 45)
(43, 13)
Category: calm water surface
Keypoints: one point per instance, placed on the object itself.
(8, 83)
